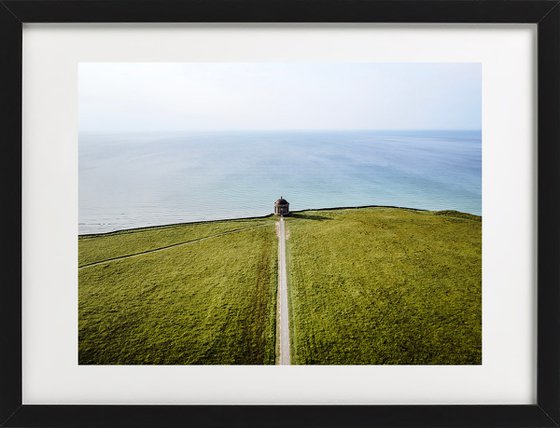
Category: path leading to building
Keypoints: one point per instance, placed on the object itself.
(283, 318)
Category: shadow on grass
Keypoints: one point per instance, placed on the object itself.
(309, 216)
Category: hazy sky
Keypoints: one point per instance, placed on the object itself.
(124, 97)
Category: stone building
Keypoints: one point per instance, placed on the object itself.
(281, 207)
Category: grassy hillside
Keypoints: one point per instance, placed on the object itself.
(208, 296)
(95, 248)
(367, 286)
(385, 286)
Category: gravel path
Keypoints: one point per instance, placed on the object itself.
(283, 319)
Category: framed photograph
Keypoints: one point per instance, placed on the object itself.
(290, 213)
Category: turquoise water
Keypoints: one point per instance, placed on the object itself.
(128, 181)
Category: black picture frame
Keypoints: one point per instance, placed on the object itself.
(544, 13)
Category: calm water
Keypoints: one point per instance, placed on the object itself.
(128, 181)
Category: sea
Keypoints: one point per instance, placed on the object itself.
(136, 180)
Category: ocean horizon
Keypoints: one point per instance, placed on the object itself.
(132, 180)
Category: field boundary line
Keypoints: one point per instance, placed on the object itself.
(166, 247)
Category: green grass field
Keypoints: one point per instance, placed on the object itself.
(209, 301)
(385, 286)
(367, 286)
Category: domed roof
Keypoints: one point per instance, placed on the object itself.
(281, 201)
